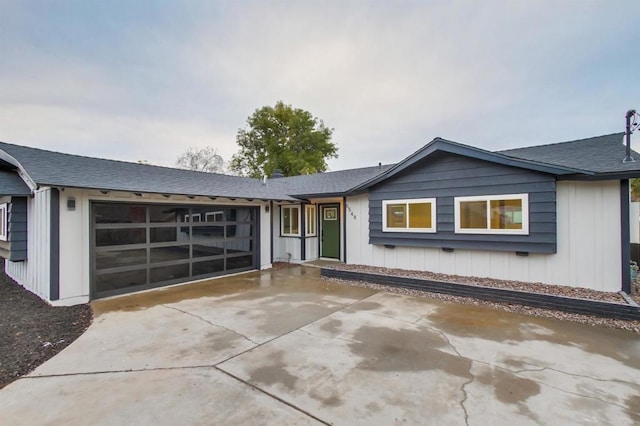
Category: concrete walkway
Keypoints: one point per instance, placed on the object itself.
(286, 347)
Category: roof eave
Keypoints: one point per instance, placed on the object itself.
(246, 197)
(602, 176)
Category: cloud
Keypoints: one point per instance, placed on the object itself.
(387, 76)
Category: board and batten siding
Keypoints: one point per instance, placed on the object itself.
(447, 176)
(588, 251)
(34, 273)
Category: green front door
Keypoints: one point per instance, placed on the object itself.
(330, 229)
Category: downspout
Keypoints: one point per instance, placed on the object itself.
(271, 228)
(625, 236)
(303, 232)
(54, 245)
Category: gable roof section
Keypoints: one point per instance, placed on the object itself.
(443, 145)
(601, 155)
(11, 184)
(50, 168)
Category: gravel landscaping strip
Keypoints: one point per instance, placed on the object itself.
(633, 326)
(556, 290)
(33, 331)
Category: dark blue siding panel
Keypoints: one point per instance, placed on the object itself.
(445, 176)
(17, 228)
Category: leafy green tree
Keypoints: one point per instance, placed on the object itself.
(283, 138)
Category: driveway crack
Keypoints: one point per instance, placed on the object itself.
(210, 323)
(466, 396)
(584, 376)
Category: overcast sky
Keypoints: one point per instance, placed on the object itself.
(143, 80)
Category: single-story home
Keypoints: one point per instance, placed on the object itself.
(76, 228)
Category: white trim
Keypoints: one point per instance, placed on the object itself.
(282, 233)
(4, 223)
(408, 202)
(488, 198)
(312, 219)
(215, 214)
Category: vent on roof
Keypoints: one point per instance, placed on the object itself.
(277, 173)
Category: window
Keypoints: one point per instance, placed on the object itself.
(493, 214)
(214, 216)
(417, 215)
(3, 222)
(310, 219)
(290, 221)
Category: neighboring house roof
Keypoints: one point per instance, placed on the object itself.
(329, 183)
(48, 168)
(11, 184)
(601, 155)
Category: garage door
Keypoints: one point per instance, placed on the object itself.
(139, 246)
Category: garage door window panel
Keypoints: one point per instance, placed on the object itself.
(208, 249)
(121, 280)
(208, 267)
(121, 258)
(204, 233)
(240, 262)
(120, 213)
(169, 273)
(166, 235)
(239, 246)
(122, 236)
(169, 253)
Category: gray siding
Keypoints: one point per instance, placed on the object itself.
(445, 176)
(15, 248)
(17, 228)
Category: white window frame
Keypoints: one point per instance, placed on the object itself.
(4, 223)
(218, 216)
(407, 202)
(282, 233)
(310, 212)
(488, 198)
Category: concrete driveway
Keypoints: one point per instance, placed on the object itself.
(286, 347)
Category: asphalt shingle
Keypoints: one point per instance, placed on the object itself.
(331, 183)
(601, 154)
(66, 170)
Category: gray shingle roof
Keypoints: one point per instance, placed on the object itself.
(330, 183)
(601, 154)
(12, 184)
(65, 170)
